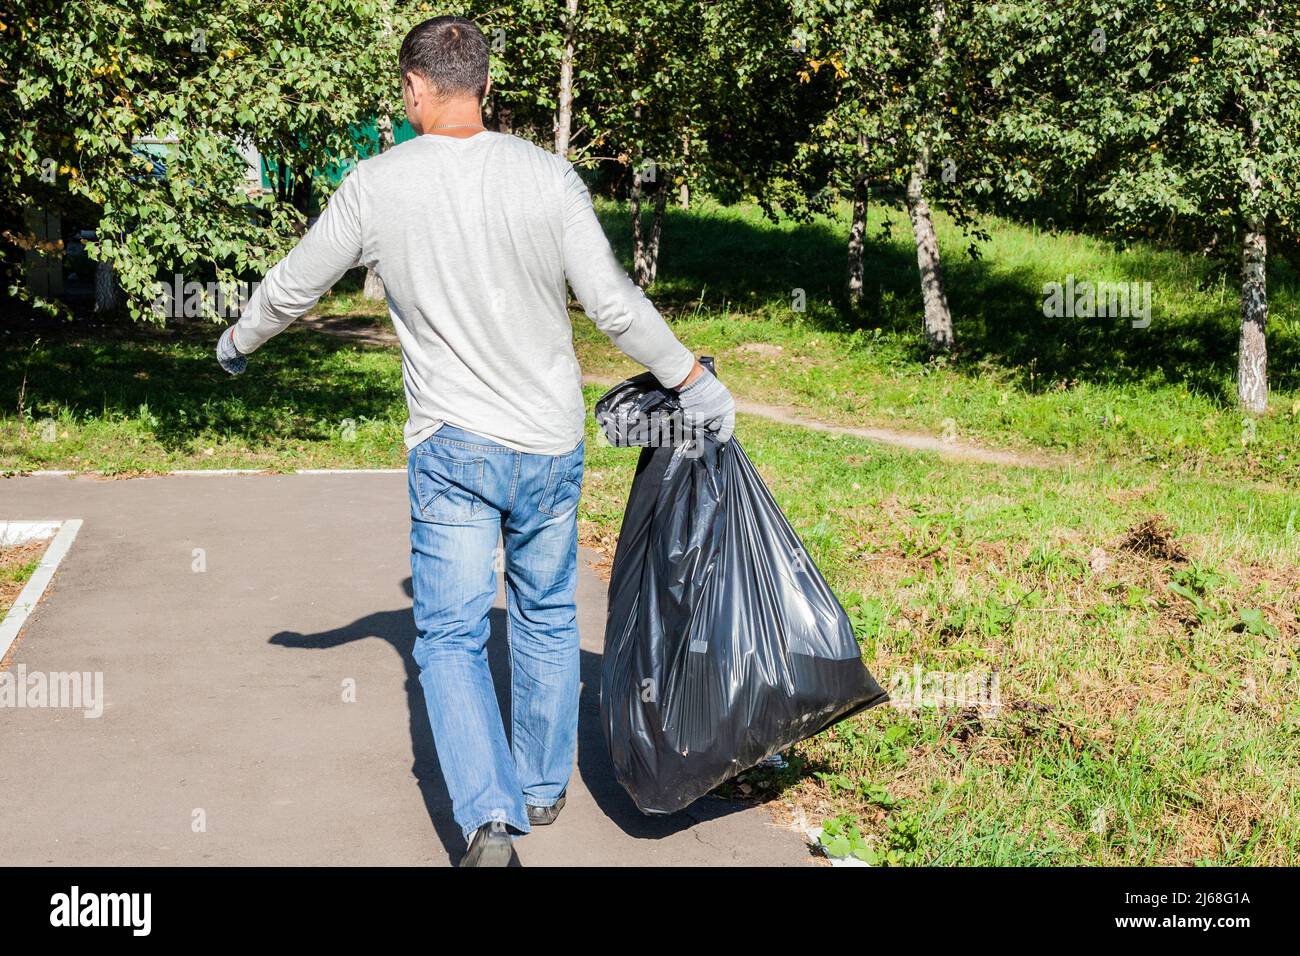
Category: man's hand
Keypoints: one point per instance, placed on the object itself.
(228, 355)
(707, 404)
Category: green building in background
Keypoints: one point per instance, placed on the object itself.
(367, 144)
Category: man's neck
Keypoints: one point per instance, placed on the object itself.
(460, 118)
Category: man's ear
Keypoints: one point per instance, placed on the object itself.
(487, 88)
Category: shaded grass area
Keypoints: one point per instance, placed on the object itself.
(1096, 388)
(1148, 685)
(730, 258)
(158, 400)
(1162, 394)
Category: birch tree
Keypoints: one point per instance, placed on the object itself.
(906, 114)
(564, 105)
(929, 120)
(698, 93)
(1179, 122)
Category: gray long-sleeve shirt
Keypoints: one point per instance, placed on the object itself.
(474, 239)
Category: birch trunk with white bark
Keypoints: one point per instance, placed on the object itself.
(853, 284)
(1252, 349)
(564, 109)
(938, 318)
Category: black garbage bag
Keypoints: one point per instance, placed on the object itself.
(724, 644)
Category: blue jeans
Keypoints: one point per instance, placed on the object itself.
(468, 494)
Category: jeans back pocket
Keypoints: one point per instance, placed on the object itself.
(448, 484)
(564, 486)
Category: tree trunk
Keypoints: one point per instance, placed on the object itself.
(1252, 349)
(281, 180)
(300, 192)
(107, 300)
(504, 115)
(374, 285)
(684, 192)
(638, 238)
(564, 112)
(938, 319)
(1252, 353)
(652, 245)
(857, 236)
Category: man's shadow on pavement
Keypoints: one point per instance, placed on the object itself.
(397, 627)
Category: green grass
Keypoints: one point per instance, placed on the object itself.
(1094, 388)
(1133, 729)
(17, 573)
(17, 565)
(158, 400)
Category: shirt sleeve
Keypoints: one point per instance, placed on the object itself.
(331, 247)
(609, 297)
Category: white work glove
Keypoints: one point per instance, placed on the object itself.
(229, 356)
(708, 405)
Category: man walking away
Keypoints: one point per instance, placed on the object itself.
(474, 234)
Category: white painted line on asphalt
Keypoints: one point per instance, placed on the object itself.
(350, 471)
(47, 473)
(205, 472)
(36, 584)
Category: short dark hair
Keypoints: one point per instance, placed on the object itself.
(451, 53)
